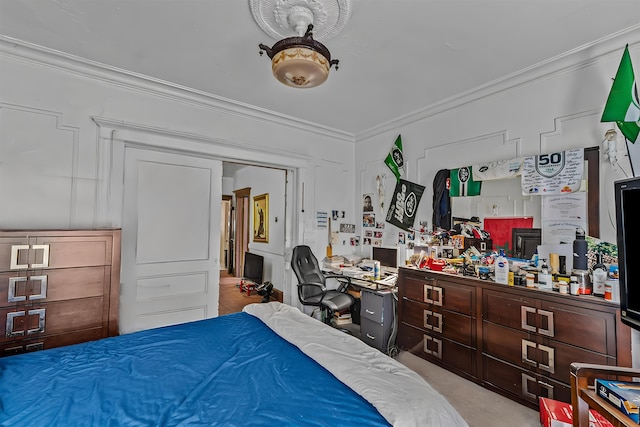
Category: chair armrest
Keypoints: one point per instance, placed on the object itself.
(345, 281)
(320, 287)
(590, 370)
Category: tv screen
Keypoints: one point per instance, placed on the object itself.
(627, 193)
(253, 266)
(388, 257)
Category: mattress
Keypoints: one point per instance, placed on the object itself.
(234, 370)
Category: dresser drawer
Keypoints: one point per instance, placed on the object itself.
(28, 253)
(454, 326)
(52, 341)
(589, 329)
(455, 356)
(522, 384)
(19, 288)
(51, 318)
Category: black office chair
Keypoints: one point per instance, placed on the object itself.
(312, 289)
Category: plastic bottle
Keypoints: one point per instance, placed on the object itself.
(574, 286)
(376, 270)
(599, 276)
(501, 269)
(545, 279)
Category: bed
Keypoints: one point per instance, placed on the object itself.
(268, 365)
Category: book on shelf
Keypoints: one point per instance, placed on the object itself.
(624, 395)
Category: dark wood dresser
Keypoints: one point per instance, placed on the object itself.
(57, 287)
(517, 341)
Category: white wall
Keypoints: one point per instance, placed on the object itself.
(60, 119)
(553, 107)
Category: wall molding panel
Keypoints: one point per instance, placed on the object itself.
(46, 176)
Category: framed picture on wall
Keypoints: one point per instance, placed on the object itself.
(261, 218)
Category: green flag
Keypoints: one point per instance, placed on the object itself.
(622, 105)
(461, 183)
(395, 158)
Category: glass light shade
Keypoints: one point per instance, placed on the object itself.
(300, 67)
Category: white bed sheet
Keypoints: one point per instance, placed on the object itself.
(401, 396)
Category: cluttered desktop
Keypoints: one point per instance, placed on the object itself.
(379, 272)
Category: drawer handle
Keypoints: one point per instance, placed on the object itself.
(369, 311)
(427, 313)
(550, 367)
(43, 287)
(11, 317)
(426, 296)
(525, 356)
(40, 312)
(523, 315)
(436, 353)
(549, 388)
(15, 249)
(45, 256)
(525, 386)
(440, 293)
(439, 327)
(549, 315)
(371, 337)
(12, 291)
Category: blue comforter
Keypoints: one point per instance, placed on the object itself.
(230, 370)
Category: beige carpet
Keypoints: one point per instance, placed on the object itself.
(477, 405)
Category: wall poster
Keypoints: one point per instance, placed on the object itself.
(261, 218)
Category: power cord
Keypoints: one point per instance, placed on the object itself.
(392, 349)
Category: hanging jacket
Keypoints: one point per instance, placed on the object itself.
(441, 202)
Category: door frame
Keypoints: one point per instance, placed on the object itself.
(241, 238)
(114, 135)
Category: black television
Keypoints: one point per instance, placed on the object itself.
(253, 267)
(627, 196)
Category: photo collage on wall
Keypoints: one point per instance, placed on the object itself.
(372, 229)
(341, 232)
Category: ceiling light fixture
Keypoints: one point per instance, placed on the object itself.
(300, 62)
(297, 59)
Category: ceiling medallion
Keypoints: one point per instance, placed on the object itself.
(328, 16)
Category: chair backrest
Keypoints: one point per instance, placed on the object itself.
(305, 266)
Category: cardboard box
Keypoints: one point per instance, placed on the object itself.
(554, 413)
(624, 395)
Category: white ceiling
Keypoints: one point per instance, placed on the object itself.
(396, 56)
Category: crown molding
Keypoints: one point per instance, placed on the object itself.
(58, 60)
(575, 59)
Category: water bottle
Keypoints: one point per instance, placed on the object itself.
(580, 247)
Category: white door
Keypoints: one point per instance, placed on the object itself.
(170, 239)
